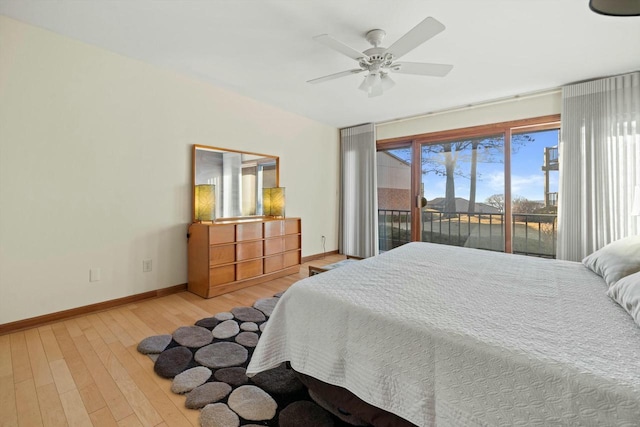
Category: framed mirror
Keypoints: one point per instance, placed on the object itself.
(230, 182)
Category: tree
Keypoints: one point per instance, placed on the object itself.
(518, 204)
(451, 154)
(497, 201)
(443, 159)
(524, 205)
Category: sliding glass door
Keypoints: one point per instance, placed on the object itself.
(462, 181)
(489, 187)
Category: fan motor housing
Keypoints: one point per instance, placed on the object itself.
(375, 37)
(377, 56)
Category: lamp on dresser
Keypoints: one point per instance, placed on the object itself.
(205, 202)
(273, 201)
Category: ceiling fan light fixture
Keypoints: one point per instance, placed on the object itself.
(616, 7)
(386, 82)
(376, 91)
(368, 82)
(375, 83)
(364, 86)
(373, 79)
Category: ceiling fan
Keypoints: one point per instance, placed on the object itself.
(380, 61)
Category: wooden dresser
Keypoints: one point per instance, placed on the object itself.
(229, 255)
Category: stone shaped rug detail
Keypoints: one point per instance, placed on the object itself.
(207, 362)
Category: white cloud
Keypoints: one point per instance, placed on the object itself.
(495, 184)
(530, 186)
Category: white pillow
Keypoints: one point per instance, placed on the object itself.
(626, 292)
(616, 260)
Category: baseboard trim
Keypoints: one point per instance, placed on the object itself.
(33, 322)
(319, 256)
(84, 310)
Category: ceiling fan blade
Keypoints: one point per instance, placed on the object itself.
(416, 36)
(335, 76)
(422, 68)
(334, 44)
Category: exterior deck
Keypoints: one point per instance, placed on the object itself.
(533, 234)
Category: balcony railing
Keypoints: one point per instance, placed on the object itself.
(532, 234)
(394, 228)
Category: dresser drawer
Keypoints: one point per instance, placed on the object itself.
(291, 258)
(273, 228)
(220, 275)
(273, 263)
(222, 234)
(248, 250)
(291, 242)
(247, 269)
(291, 226)
(273, 246)
(222, 254)
(249, 231)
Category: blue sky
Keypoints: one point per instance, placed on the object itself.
(527, 178)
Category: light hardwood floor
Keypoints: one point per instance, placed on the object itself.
(86, 370)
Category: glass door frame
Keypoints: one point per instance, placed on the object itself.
(506, 128)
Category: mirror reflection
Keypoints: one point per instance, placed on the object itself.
(238, 177)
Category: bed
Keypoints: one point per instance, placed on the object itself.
(442, 335)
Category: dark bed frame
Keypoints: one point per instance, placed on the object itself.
(348, 403)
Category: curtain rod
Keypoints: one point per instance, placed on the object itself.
(471, 106)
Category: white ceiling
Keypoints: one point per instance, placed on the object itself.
(264, 48)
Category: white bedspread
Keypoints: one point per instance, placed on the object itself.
(452, 336)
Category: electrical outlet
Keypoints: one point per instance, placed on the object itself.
(147, 265)
(95, 274)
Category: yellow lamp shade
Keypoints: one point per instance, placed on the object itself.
(273, 201)
(205, 202)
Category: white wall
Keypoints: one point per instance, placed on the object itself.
(95, 164)
(525, 107)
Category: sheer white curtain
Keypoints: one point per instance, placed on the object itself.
(359, 202)
(599, 164)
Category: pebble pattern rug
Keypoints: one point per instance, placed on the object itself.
(207, 362)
